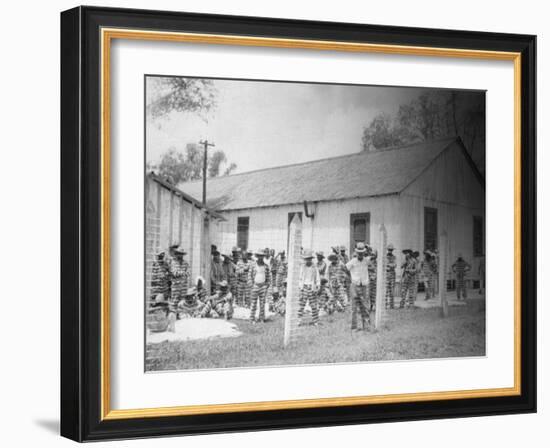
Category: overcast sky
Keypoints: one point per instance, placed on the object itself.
(260, 124)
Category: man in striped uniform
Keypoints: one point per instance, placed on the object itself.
(461, 268)
(391, 264)
(429, 272)
(373, 265)
(160, 277)
(191, 305)
(418, 271)
(407, 279)
(308, 283)
(336, 277)
(220, 304)
(279, 291)
(358, 267)
(235, 258)
(259, 278)
(179, 275)
(246, 274)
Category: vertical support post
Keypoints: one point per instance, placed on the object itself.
(293, 293)
(381, 277)
(442, 274)
(192, 243)
(205, 249)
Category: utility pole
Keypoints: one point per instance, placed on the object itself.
(206, 144)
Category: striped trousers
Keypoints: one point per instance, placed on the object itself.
(429, 286)
(358, 295)
(372, 292)
(307, 294)
(461, 287)
(390, 288)
(258, 293)
(407, 289)
(243, 292)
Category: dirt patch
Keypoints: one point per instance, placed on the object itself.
(194, 328)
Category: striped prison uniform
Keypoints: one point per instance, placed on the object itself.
(359, 278)
(160, 279)
(373, 264)
(221, 304)
(407, 282)
(429, 271)
(336, 280)
(417, 273)
(308, 283)
(191, 306)
(279, 305)
(390, 279)
(461, 268)
(179, 279)
(259, 279)
(327, 301)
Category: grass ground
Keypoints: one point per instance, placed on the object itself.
(405, 334)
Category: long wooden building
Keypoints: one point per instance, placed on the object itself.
(416, 191)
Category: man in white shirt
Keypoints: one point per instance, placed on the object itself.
(358, 267)
(259, 277)
(308, 283)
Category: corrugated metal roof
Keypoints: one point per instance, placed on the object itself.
(356, 175)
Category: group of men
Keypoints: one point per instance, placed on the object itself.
(253, 279)
(173, 298)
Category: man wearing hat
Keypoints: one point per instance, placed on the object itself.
(429, 272)
(217, 271)
(308, 283)
(191, 305)
(461, 268)
(160, 276)
(358, 267)
(179, 275)
(391, 264)
(321, 264)
(408, 269)
(336, 277)
(221, 303)
(259, 278)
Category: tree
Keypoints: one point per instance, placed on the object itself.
(176, 94)
(177, 167)
(433, 115)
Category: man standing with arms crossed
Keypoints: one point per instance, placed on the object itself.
(358, 268)
(259, 277)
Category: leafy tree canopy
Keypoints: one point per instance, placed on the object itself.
(177, 167)
(433, 115)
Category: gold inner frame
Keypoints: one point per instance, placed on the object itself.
(107, 35)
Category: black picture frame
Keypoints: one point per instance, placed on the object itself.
(81, 224)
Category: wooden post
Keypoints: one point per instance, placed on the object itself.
(292, 292)
(442, 274)
(381, 277)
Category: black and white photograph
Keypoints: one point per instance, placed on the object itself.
(292, 223)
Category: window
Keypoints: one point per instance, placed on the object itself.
(430, 228)
(242, 232)
(478, 236)
(359, 229)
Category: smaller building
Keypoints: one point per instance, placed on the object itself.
(174, 217)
